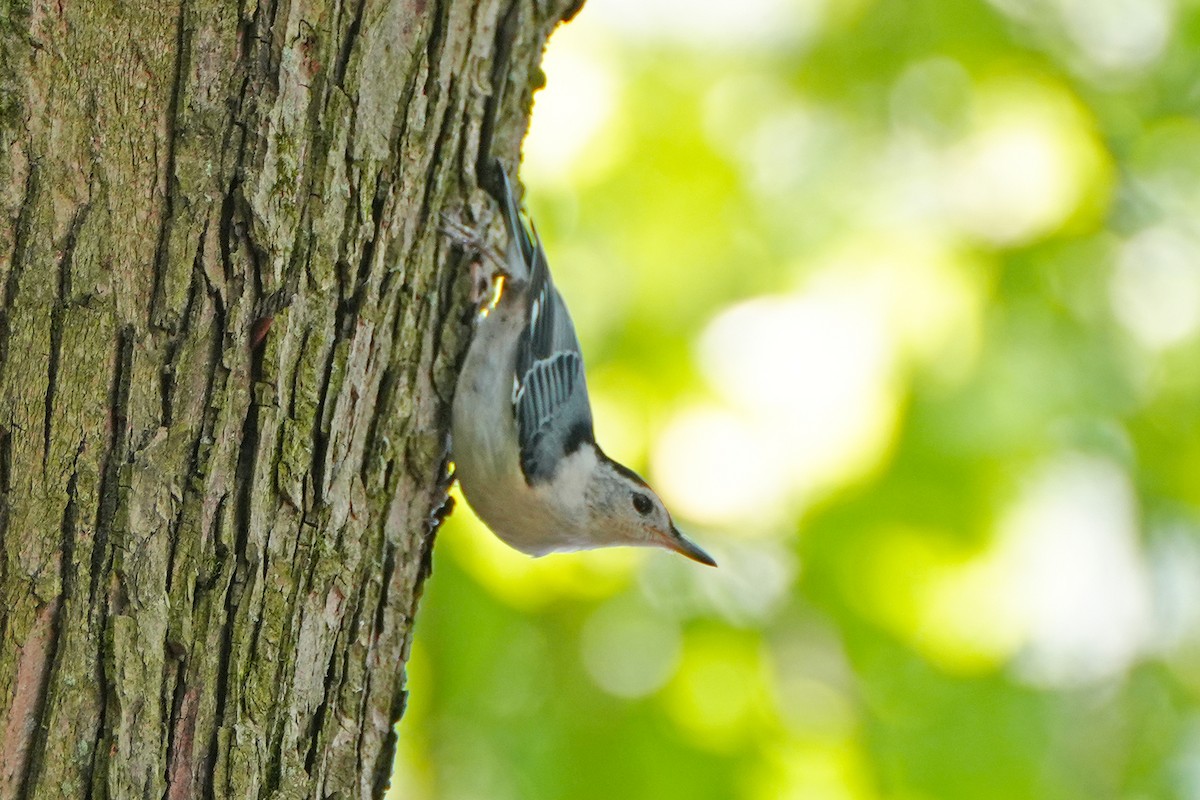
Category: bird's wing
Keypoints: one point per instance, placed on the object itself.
(550, 398)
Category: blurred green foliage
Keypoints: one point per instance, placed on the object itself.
(897, 302)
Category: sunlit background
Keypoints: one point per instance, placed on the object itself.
(897, 304)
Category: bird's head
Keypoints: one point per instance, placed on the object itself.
(625, 510)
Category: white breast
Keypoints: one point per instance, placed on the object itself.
(486, 458)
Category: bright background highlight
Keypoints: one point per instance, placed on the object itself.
(897, 302)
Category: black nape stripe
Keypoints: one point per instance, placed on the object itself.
(622, 469)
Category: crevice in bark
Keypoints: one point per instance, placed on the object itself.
(97, 761)
(265, 61)
(225, 231)
(444, 301)
(468, 141)
(445, 131)
(317, 726)
(400, 125)
(293, 388)
(349, 311)
(343, 60)
(365, 693)
(389, 566)
(433, 47)
(244, 475)
(174, 671)
(115, 454)
(57, 318)
(214, 369)
(12, 284)
(104, 604)
(384, 400)
(320, 431)
(208, 583)
(158, 311)
(506, 34)
(5, 489)
(224, 664)
(173, 535)
(68, 531)
(167, 386)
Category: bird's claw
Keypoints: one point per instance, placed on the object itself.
(471, 240)
(475, 245)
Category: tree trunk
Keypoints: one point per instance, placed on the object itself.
(228, 342)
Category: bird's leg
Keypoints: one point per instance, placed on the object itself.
(472, 242)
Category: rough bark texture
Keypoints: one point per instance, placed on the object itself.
(229, 333)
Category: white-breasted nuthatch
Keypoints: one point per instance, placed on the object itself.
(524, 449)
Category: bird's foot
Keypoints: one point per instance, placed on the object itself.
(471, 240)
(478, 249)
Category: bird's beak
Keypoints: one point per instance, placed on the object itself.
(684, 546)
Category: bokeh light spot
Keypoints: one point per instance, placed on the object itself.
(805, 769)
(715, 25)
(628, 651)
(1155, 288)
(1079, 581)
(716, 696)
(572, 128)
(1029, 164)
(711, 466)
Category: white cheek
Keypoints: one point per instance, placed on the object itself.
(578, 471)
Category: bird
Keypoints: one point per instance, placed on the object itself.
(522, 437)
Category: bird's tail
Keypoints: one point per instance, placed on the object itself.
(521, 245)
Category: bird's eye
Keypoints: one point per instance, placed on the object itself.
(642, 504)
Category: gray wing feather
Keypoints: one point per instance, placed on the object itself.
(550, 399)
(553, 415)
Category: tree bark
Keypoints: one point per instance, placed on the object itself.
(229, 337)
